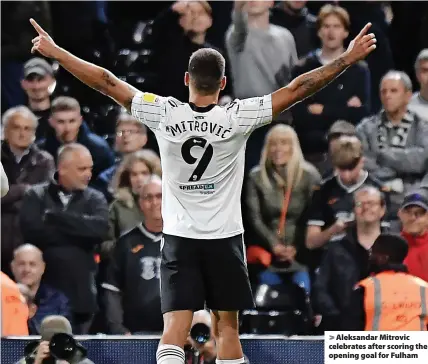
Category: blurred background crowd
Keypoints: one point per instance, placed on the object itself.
(81, 224)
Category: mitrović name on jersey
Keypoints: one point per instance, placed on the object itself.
(199, 126)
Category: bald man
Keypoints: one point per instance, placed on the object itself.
(67, 220)
(43, 300)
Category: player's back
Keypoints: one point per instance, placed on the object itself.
(202, 153)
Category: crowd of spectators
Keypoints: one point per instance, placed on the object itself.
(81, 224)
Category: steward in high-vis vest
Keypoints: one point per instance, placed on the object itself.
(14, 309)
(391, 299)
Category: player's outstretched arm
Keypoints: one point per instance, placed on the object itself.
(92, 75)
(307, 84)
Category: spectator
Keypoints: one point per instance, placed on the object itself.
(131, 136)
(176, 33)
(25, 165)
(414, 219)
(208, 350)
(255, 47)
(28, 267)
(347, 261)
(331, 209)
(40, 350)
(131, 289)
(395, 140)
(338, 129)
(38, 83)
(347, 97)
(266, 52)
(391, 299)
(205, 352)
(294, 16)
(66, 121)
(419, 100)
(125, 212)
(14, 310)
(16, 36)
(381, 61)
(67, 220)
(282, 183)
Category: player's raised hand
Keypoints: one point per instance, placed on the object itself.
(43, 43)
(362, 45)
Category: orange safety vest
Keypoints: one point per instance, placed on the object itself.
(14, 309)
(395, 301)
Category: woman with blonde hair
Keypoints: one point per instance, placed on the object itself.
(279, 190)
(130, 176)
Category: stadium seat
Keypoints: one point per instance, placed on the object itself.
(281, 309)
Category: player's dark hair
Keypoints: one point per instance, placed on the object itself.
(206, 69)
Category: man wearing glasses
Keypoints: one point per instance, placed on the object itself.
(131, 288)
(131, 136)
(346, 262)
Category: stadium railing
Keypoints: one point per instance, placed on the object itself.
(142, 349)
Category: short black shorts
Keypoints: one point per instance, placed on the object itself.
(196, 272)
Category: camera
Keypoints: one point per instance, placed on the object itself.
(62, 346)
(201, 333)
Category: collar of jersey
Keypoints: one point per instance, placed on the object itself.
(201, 108)
(154, 237)
(355, 187)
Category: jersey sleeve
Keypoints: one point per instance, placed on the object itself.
(316, 213)
(149, 108)
(113, 275)
(252, 113)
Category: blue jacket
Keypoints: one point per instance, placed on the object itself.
(101, 152)
(102, 183)
(49, 301)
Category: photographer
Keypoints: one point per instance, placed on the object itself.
(56, 346)
(201, 347)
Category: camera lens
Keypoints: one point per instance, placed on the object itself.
(62, 347)
(201, 333)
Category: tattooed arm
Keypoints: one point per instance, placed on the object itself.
(92, 75)
(307, 84)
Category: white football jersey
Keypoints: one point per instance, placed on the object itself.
(202, 153)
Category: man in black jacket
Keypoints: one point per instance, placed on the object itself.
(294, 16)
(347, 97)
(346, 261)
(67, 220)
(131, 288)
